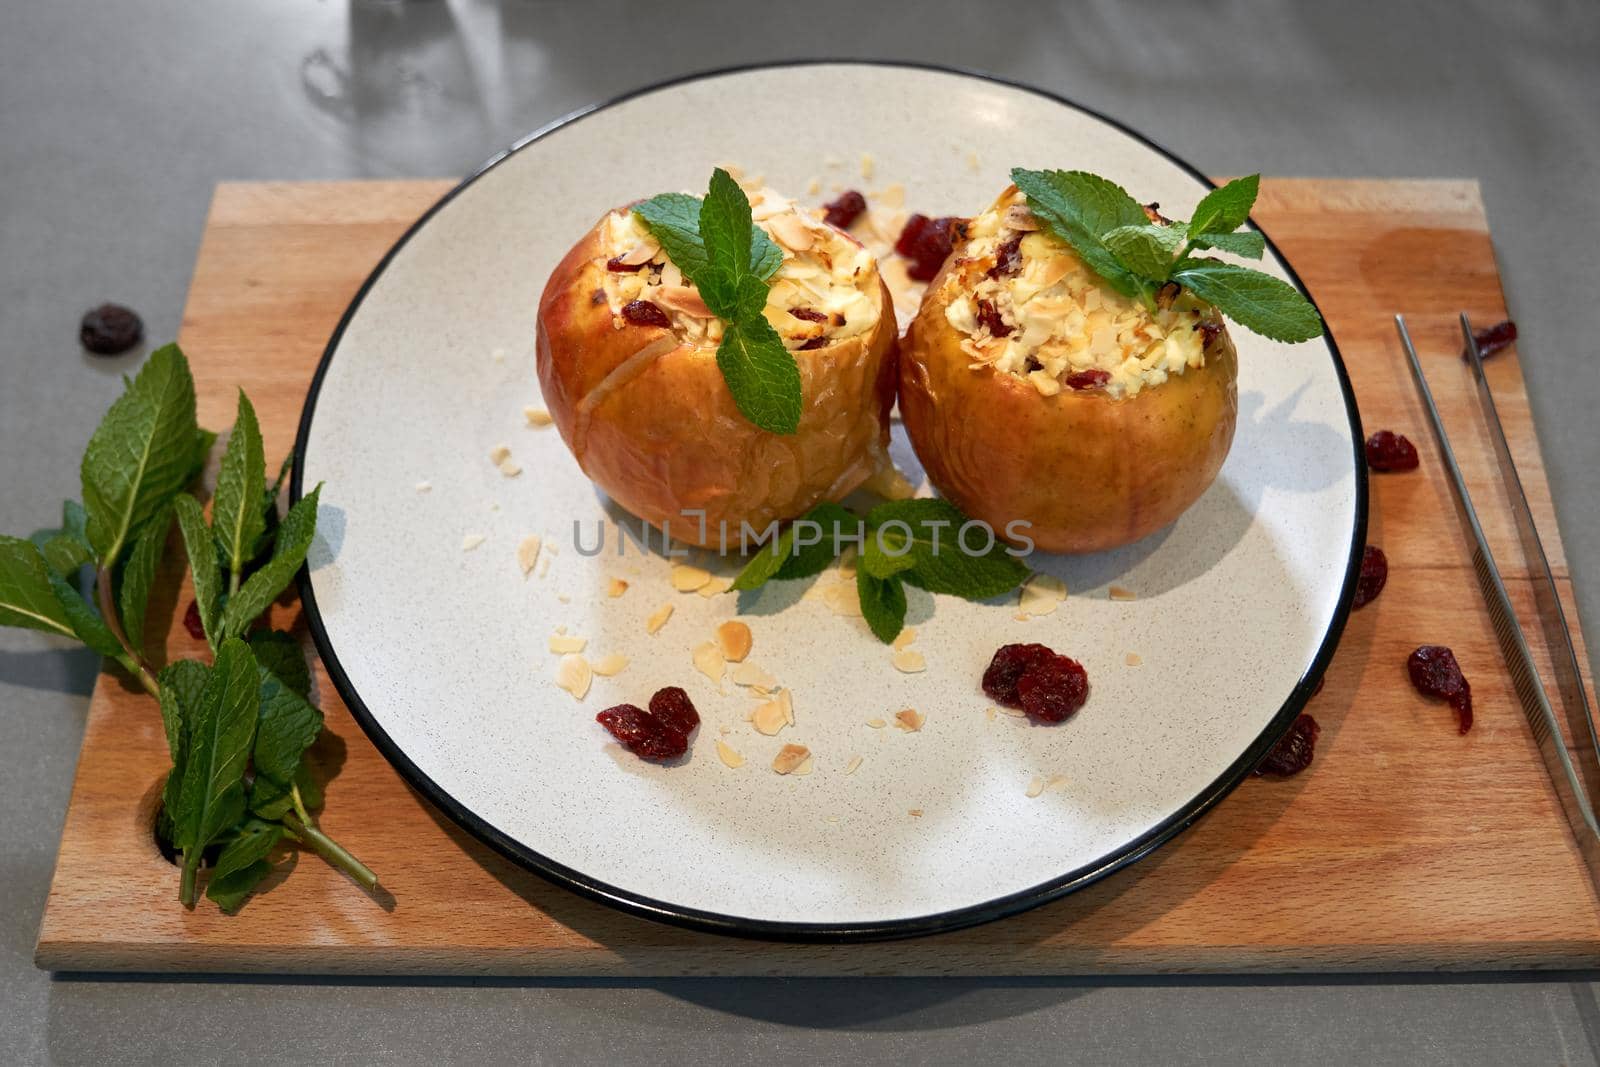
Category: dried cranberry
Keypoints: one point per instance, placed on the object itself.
(1293, 752)
(1493, 338)
(1374, 572)
(1053, 688)
(989, 316)
(845, 210)
(1210, 330)
(673, 708)
(809, 314)
(642, 733)
(1388, 451)
(1006, 669)
(644, 313)
(1007, 258)
(110, 329)
(192, 623)
(927, 243)
(1434, 671)
(1088, 379)
(815, 342)
(616, 266)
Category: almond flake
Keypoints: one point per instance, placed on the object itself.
(528, 553)
(574, 675)
(876, 724)
(424, 487)
(472, 541)
(855, 762)
(909, 720)
(544, 559)
(1015, 713)
(972, 161)
(915, 813)
(790, 757)
(708, 661)
(682, 300)
(715, 587)
(1041, 594)
(868, 165)
(728, 756)
(1035, 787)
(843, 599)
(908, 635)
(989, 712)
(909, 661)
(498, 355)
(499, 454)
(1057, 781)
(510, 468)
(1119, 593)
(769, 718)
(686, 579)
(750, 675)
(1133, 659)
(786, 701)
(616, 587)
(658, 619)
(537, 417)
(791, 232)
(814, 186)
(805, 768)
(609, 665)
(734, 639)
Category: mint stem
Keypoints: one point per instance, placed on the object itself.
(233, 581)
(332, 851)
(130, 659)
(186, 880)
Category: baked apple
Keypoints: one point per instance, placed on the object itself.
(627, 356)
(1034, 393)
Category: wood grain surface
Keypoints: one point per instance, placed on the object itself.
(1406, 845)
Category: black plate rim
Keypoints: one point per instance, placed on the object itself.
(825, 933)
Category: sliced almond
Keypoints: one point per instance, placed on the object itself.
(561, 644)
(807, 765)
(1015, 713)
(915, 813)
(610, 665)
(510, 467)
(905, 637)
(1041, 594)
(574, 675)
(715, 587)
(989, 712)
(544, 559)
(528, 553)
(616, 587)
(1117, 592)
(472, 541)
(728, 756)
(1057, 781)
(790, 757)
(1019, 217)
(658, 618)
(640, 254)
(708, 661)
(1035, 787)
(791, 232)
(537, 417)
(876, 724)
(734, 639)
(842, 599)
(909, 661)
(909, 720)
(855, 762)
(686, 578)
(868, 165)
(1133, 659)
(499, 454)
(769, 718)
(752, 676)
(683, 300)
(424, 487)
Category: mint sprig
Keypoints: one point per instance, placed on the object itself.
(719, 248)
(1111, 233)
(237, 730)
(917, 542)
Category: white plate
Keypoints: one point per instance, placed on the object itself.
(441, 653)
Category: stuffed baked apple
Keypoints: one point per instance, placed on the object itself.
(1093, 404)
(659, 396)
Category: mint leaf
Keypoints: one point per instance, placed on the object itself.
(243, 863)
(886, 554)
(883, 604)
(202, 550)
(142, 453)
(765, 564)
(139, 574)
(211, 793)
(286, 726)
(1081, 208)
(1258, 302)
(185, 682)
(673, 219)
(280, 653)
(86, 622)
(942, 564)
(765, 256)
(1147, 250)
(1247, 243)
(761, 374)
(1226, 208)
(67, 548)
(288, 553)
(237, 517)
(837, 524)
(26, 596)
(725, 224)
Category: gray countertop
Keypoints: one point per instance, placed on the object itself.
(117, 119)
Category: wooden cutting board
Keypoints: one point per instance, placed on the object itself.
(1405, 846)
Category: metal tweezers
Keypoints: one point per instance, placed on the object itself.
(1560, 760)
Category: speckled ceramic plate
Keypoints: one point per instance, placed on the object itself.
(441, 653)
